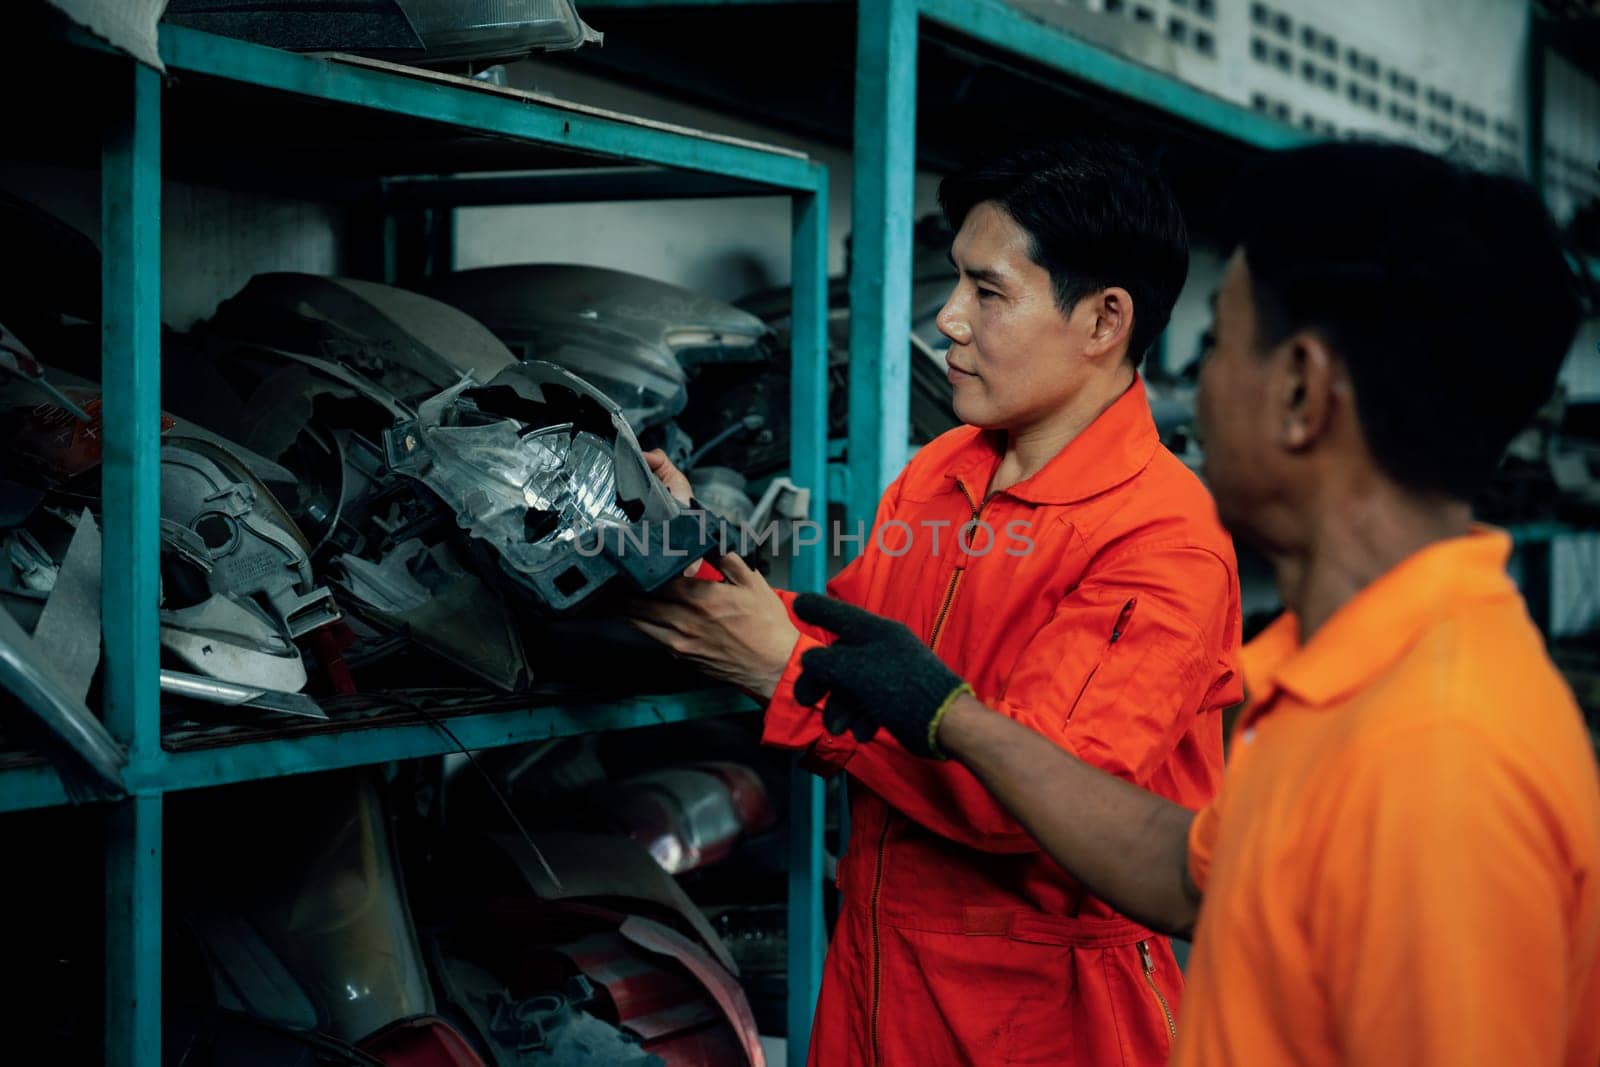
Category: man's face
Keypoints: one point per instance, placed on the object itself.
(1013, 355)
(1234, 410)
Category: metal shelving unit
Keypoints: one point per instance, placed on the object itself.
(252, 117)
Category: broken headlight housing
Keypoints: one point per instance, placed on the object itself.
(632, 337)
(544, 469)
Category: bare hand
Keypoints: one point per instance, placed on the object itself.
(676, 482)
(736, 631)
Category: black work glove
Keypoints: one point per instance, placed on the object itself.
(877, 673)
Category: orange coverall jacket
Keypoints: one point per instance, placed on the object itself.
(1100, 609)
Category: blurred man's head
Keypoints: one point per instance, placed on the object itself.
(1071, 257)
(1386, 315)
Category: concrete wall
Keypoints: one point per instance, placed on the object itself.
(212, 240)
(725, 248)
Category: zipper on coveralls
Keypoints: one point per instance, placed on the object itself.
(1150, 979)
(955, 576)
(877, 951)
(877, 879)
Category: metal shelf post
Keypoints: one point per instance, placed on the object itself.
(808, 450)
(880, 252)
(131, 504)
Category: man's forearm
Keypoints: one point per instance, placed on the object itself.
(1127, 846)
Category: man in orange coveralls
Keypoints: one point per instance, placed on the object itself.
(1055, 554)
(1403, 866)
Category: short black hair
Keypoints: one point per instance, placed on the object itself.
(1096, 216)
(1445, 291)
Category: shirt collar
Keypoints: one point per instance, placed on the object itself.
(1110, 450)
(1381, 622)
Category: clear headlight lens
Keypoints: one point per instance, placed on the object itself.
(532, 490)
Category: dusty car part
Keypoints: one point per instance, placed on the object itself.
(781, 502)
(600, 867)
(722, 491)
(445, 609)
(418, 31)
(498, 29)
(246, 975)
(88, 760)
(749, 424)
(758, 937)
(127, 25)
(328, 369)
(756, 934)
(646, 987)
(321, 367)
(687, 817)
(255, 547)
(628, 335)
(723, 987)
(233, 640)
(215, 691)
(375, 511)
(31, 558)
(68, 631)
(421, 1041)
(317, 455)
(188, 552)
(311, 864)
(544, 468)
(547, 1029)
(407, 344)
(34, 568)
(16, 359)
(48, 439)
(388, 586)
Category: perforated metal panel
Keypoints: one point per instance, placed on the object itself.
(1437, 73)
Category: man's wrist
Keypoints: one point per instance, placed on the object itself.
(932, 737)
(956, 726)
(764, 686)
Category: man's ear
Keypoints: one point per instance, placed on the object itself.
(1112, 327)
(1306, 391)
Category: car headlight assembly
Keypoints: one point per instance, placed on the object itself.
(544, 468)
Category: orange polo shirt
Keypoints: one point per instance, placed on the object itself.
(1403, 866)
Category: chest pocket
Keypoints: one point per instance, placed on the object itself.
(1083, 656)
(1119, 627)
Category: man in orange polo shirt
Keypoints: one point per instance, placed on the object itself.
(1403, 865)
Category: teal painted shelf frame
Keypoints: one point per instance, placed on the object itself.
(674, 162)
